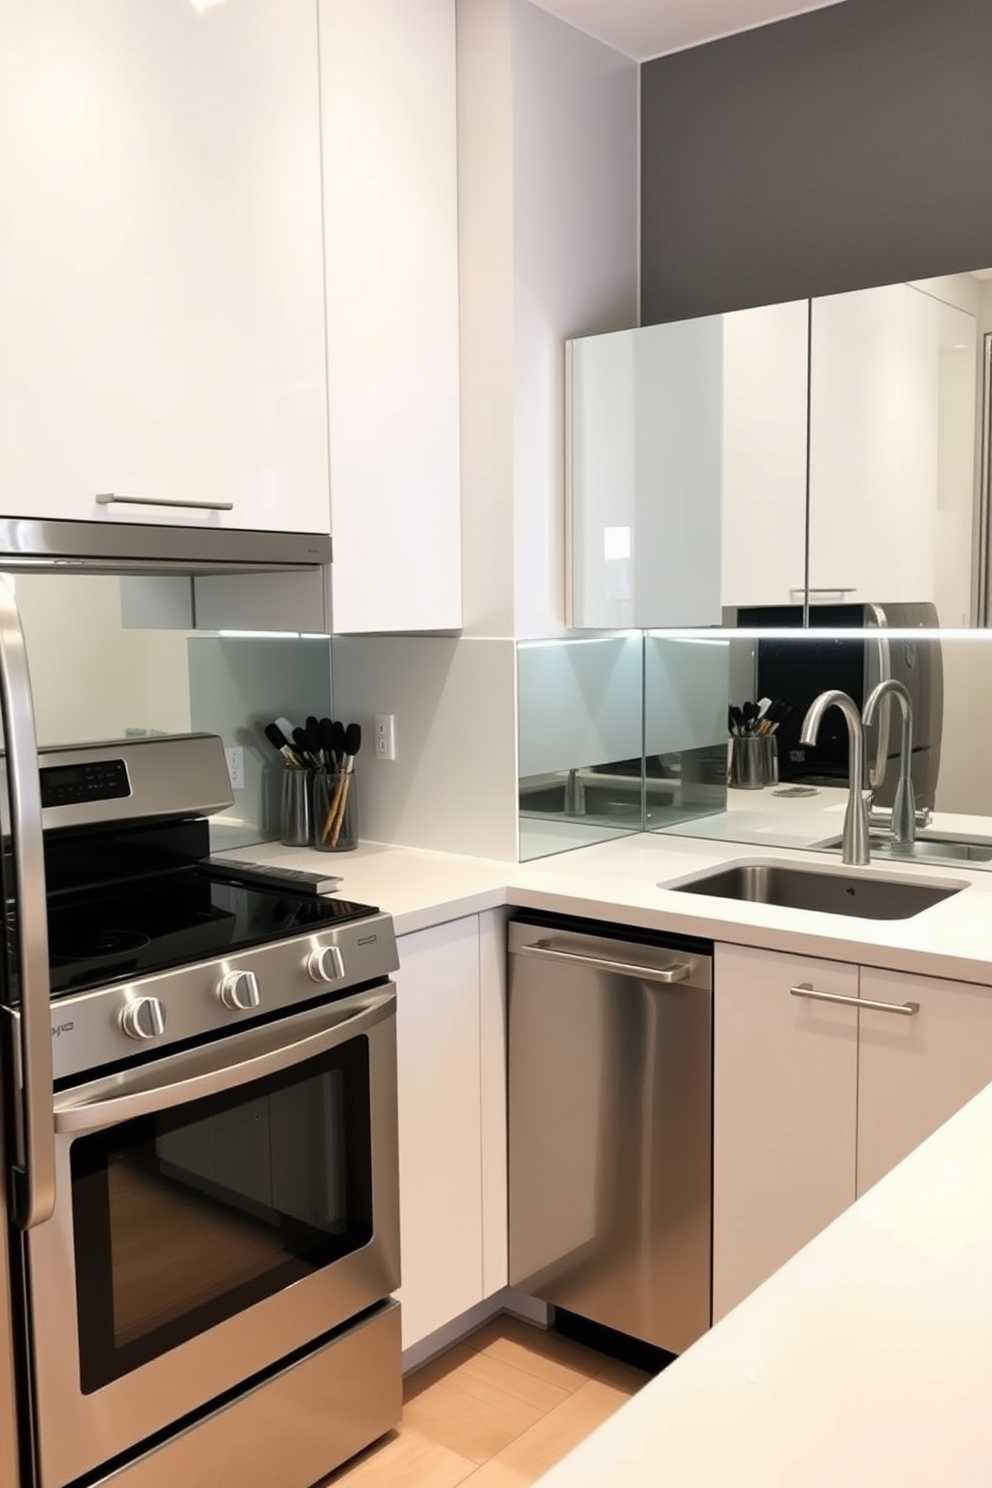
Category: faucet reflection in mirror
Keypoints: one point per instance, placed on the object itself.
(904, 801)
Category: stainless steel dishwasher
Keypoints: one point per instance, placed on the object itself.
(610, 1125)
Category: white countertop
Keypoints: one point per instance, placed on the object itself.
(618, 881)
(867, 1359)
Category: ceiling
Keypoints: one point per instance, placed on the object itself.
(648, 28)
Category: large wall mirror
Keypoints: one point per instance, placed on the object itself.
(814, 453)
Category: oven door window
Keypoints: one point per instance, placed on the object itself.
(185, 1218)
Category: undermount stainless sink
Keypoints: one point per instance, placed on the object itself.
(866, 896)
(931, 849)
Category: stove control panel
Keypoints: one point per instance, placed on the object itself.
(219, 996)
(90, 780)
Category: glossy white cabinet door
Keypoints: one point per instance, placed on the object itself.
(390, 190)
(916, 1071)
(161, 267)
(645, 466)
(879, 453)
(785, 1104)
(440, 1118)
(764, 454)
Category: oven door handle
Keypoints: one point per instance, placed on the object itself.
(34, 1170)
(263, 1052)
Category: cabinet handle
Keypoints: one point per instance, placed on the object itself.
(903, 1009)
(674, 973)
(106, 497)
(823, 589)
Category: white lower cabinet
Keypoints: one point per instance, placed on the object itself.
(785, 1073)
(452, 1196)
(915, 1070)
(815, 1100)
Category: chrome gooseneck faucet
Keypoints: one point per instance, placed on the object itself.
(904, 802)
(855, 841)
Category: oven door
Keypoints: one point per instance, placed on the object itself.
(216, 1210)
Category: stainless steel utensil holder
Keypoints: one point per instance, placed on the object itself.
(296, 813)
(753, 761)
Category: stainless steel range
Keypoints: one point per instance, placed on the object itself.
(200, 1094)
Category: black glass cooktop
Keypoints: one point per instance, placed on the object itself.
(115, 934)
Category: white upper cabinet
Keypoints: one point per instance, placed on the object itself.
(687, 468)
(644, 476)
(161, 264)
(764, 454)
(735, 460)
(892, 451)
(390, 194)
(874, 445)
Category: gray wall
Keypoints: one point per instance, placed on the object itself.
(843, 148)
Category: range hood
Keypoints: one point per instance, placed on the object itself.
(37, 545)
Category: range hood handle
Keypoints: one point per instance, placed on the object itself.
(107, 497)
(34, 1182)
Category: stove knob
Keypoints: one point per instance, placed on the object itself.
(144, 1018)
(326, 964)
(239, 991)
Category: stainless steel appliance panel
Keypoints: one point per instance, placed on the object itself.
(918, 665)
(8, 1400)
(82, 1423)
(610, 1130)
(288, 1432)
(797, 670)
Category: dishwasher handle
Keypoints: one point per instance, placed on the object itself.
(678, 971)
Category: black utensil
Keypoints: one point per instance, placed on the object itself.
(737, 718)
(312, 730)
(300, 745)
(326, 733)
(750, 712)
(352, 741)
(278, 740)
(337, 743)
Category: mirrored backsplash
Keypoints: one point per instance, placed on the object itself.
(629, 733)
(594, 761)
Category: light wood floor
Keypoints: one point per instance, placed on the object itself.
(495, 1411)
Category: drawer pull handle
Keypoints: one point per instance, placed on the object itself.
(106, 497)
(902, 1009)
(675, 973)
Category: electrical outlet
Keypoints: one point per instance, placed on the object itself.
(385, 736)
(236, 767)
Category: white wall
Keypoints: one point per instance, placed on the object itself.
(548, 250)
(486, 295)
(575, 226)
(453, 784)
